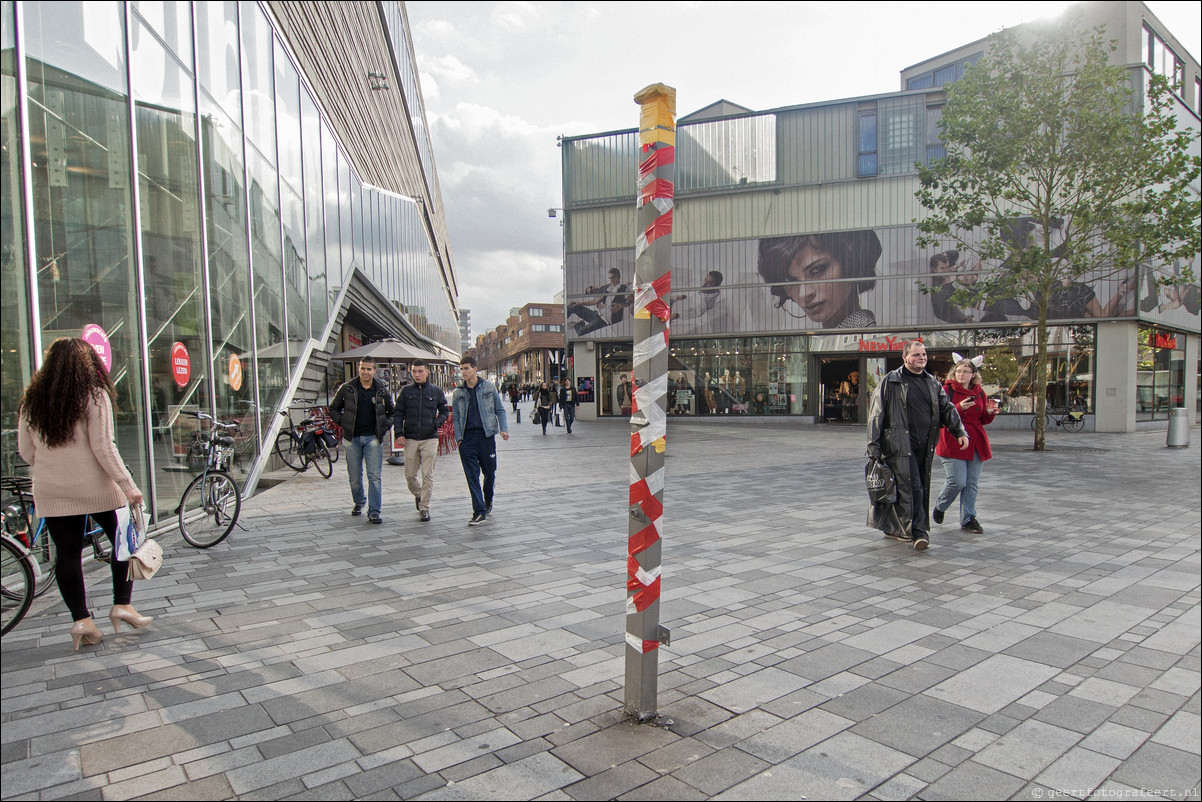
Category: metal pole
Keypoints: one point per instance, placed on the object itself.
(649, 415)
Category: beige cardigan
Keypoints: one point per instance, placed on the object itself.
(84, 476)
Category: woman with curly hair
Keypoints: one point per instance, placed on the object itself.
(962, 465)
(65, 433)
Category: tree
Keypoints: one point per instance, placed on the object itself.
(1056, 168)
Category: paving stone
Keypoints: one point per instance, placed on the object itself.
(987, 669)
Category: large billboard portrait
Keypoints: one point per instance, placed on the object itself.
(862, 279)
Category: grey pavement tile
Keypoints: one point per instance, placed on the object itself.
(1075, 713)
(1183, 731)
(993, 683)
(1078, 769)
(919, 725)
(525, 779)
(612, 782)
(1028, 748)
(1157, 766)
(664, 789)
(720, 770)
(845, 766)
(971, 780)
(612, 746)
(782, 741)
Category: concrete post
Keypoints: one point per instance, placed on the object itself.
(649, 415)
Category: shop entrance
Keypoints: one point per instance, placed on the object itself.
(840, 389)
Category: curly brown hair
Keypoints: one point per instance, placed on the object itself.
(57, 398)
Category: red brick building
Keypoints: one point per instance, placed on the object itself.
(526, 348)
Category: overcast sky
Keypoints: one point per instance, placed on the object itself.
(502, 80)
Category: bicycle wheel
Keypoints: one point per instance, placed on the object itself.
(209, 509)
(17, 582)
(322, 461)
(1074, 422)
(335, 450)
(286, 449)
(1047, 422)
(22, 524)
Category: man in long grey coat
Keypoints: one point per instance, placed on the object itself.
(904, 416)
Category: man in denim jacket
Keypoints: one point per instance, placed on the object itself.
(479, 415)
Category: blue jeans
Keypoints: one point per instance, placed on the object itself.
(360, 450)
(479, 454)
(569, 416)
(962, 479)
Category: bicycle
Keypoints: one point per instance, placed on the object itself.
(302, 445)
(17, 580)
(214, 493)
(322, 416)
(1070, 420)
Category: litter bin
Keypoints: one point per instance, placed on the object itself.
(1178, 436)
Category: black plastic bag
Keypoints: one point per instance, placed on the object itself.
(882, 484)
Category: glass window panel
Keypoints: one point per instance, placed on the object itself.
(867, 133)
(172, 21)
(79, 136)
(288, 118)
(165, 124)
(217, 51)
(229, 279)
(258, 80)
(945, 75)
(331, 187)
(265, 251)
(314, 214)
(296, 275)
(16, 366)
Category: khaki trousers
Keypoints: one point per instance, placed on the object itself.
(420, 455)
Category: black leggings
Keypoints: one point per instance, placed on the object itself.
(67, 531)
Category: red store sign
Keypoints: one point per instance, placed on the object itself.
(889, 344)
(181, 365)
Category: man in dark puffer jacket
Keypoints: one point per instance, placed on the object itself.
(421, 411)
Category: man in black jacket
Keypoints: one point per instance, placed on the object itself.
(363, 408)
(421, 411)
(905, 414)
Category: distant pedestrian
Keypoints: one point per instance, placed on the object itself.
(904, 415)
(545, 404)
(421, 410)
(479, 416)
(65, 432)
(515, 395)
(962, 466)
(567, 403)
(363, 408)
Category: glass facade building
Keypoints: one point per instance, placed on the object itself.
(797, 274)
(175, 191)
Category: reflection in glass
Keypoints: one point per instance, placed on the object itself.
(79, 136)
(268, 273)
(165, 124)
(229, 279)
(16, 364)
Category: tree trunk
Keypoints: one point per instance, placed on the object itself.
(1041, 373)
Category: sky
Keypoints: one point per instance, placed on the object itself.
(502, 80)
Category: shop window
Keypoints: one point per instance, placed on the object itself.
(1160, 374)
(1010, 366)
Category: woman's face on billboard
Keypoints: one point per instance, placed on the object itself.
(825, 300)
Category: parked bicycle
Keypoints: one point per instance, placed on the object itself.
(304, 444)
(1070, 420)
(211, 504)
(321, 415)
(16, 581)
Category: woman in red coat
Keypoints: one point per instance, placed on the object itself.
(963, 465)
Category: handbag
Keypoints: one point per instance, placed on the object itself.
(145, 556)
(882, 484)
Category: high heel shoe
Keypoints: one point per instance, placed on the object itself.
(130, 616)
(85, 632)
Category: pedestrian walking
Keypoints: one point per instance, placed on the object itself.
(363, 408)
(421, 410)
(567, 402)
(545, 403)
(479, 416)
(65, 432)
(515, 395)
(905, 414)
(962, 466)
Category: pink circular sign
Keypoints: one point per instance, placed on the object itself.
(181, 365)
(96, 337)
